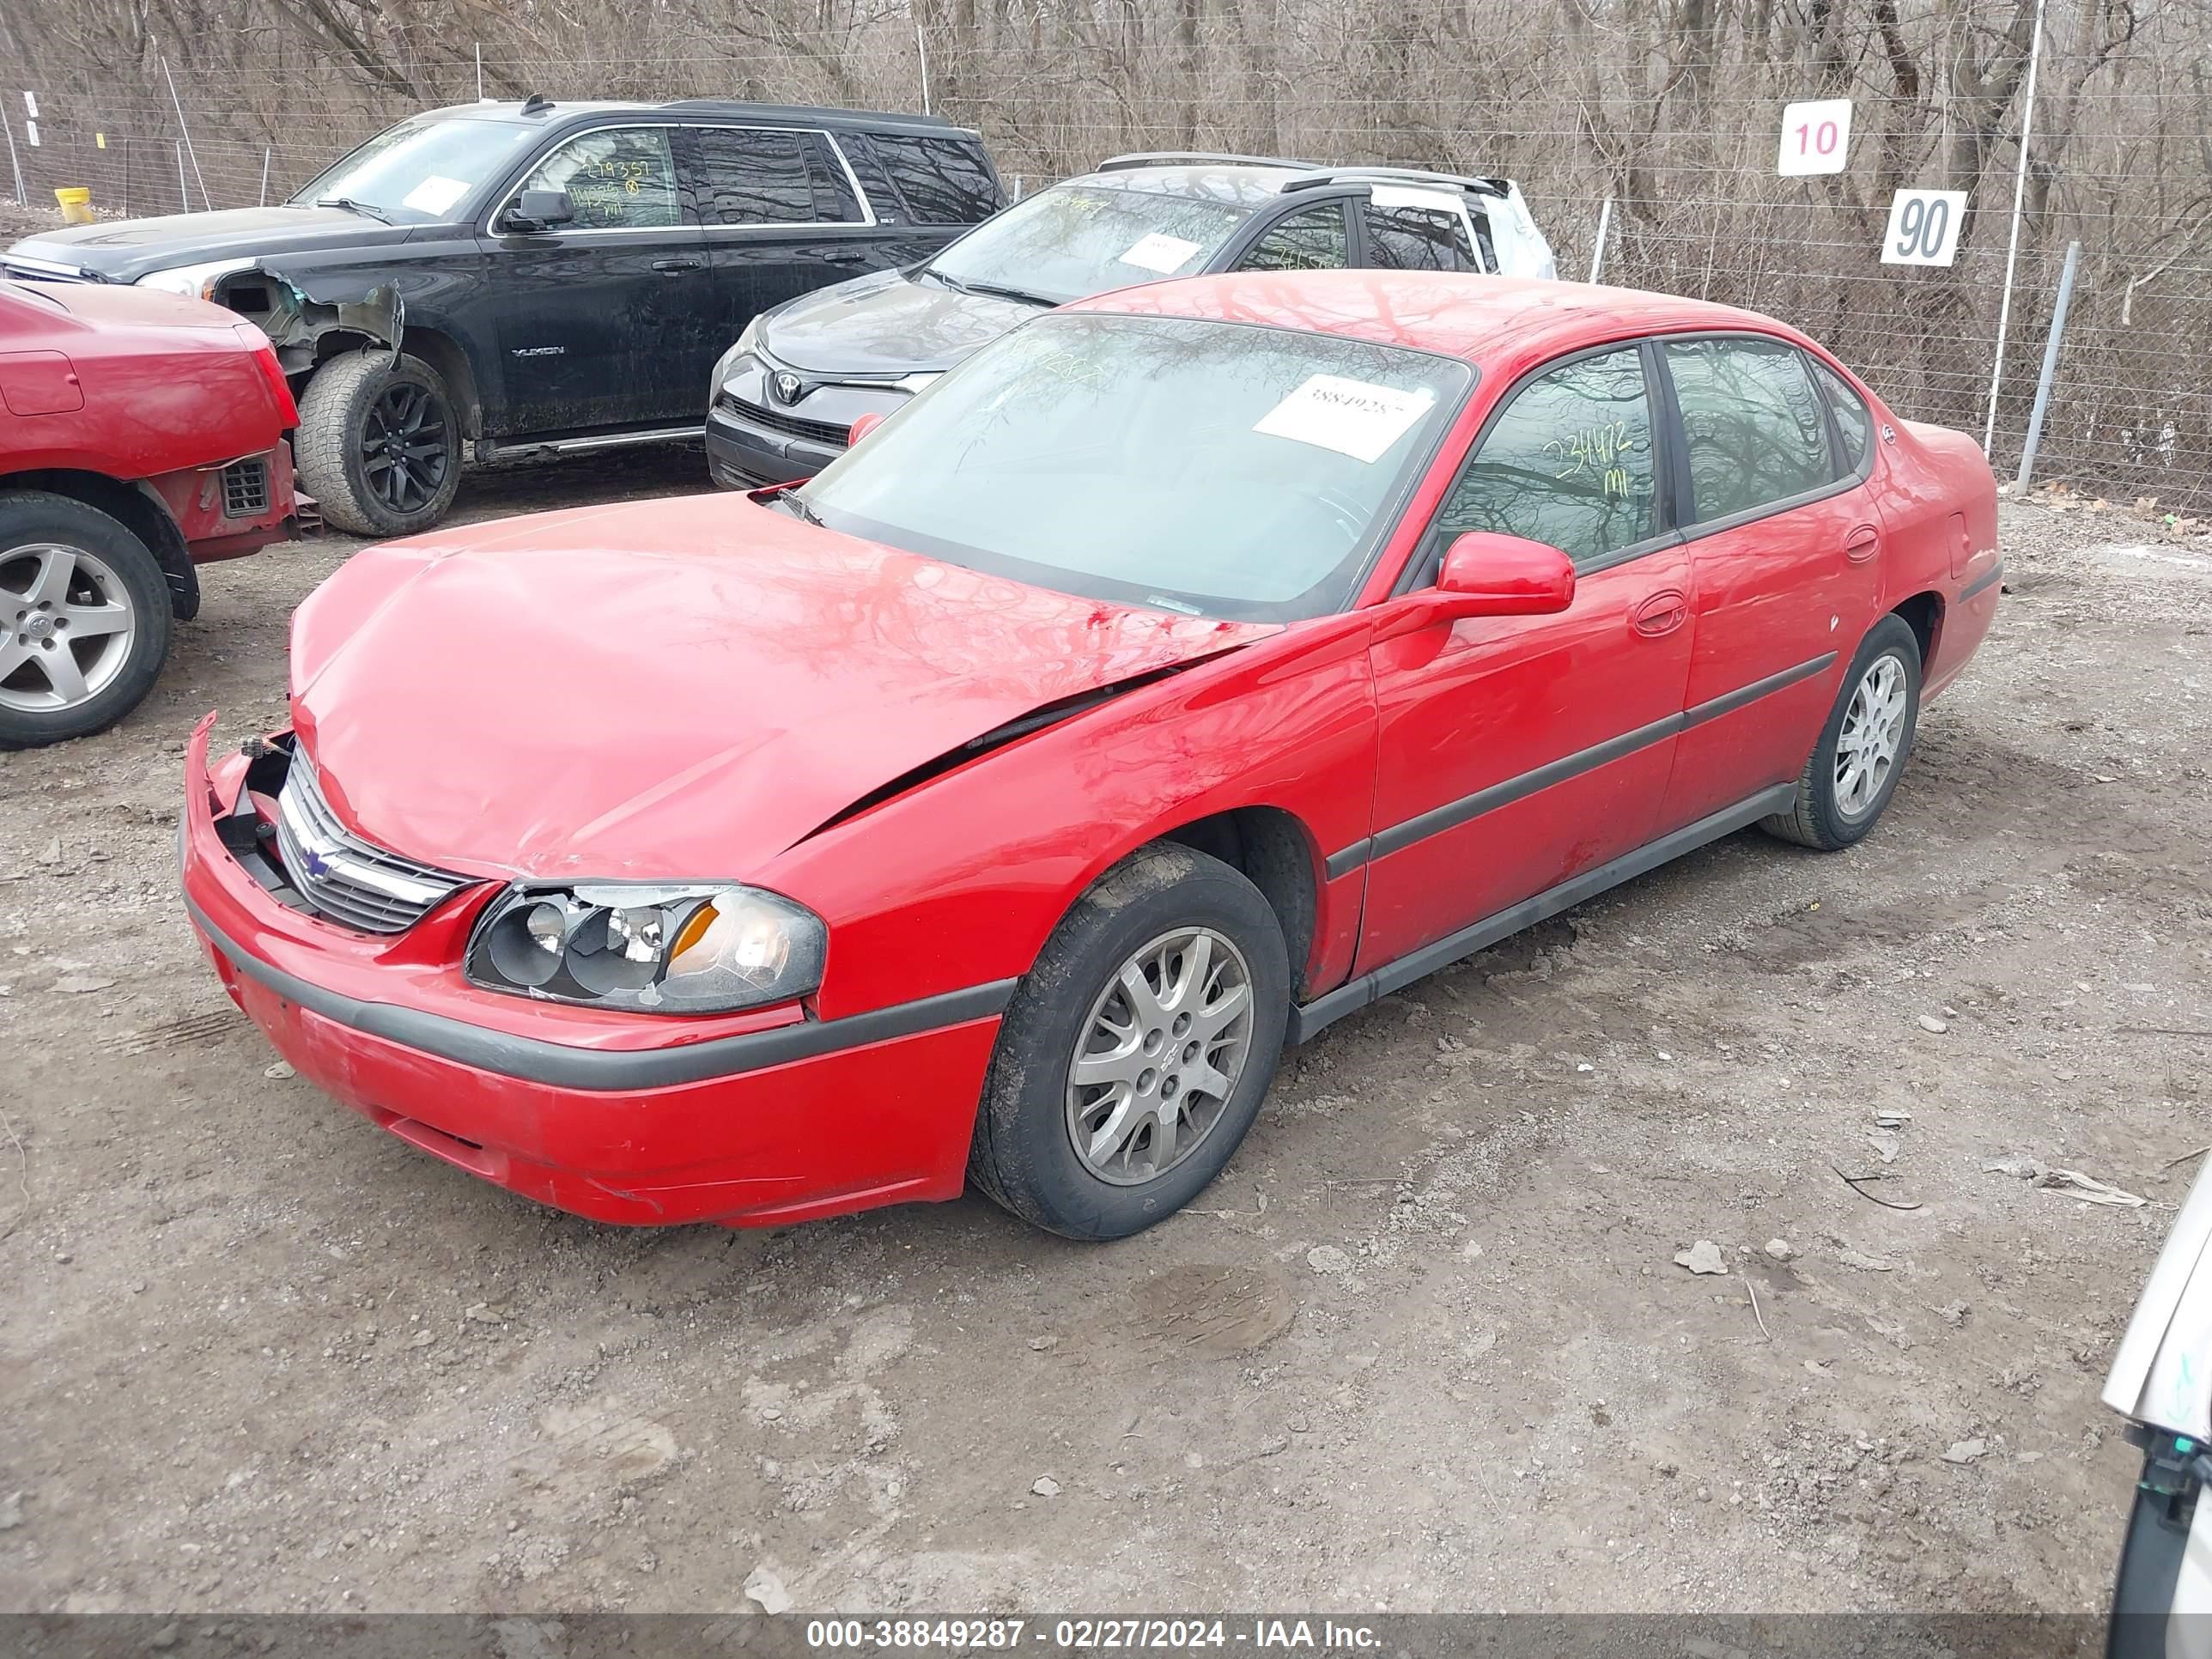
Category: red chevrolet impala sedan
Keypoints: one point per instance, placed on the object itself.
(1192, 667)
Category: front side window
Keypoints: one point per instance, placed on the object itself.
(1753, 428)
(619, 178)
(418, 172)
(1310, 241)
(1569, 462)
(1074, 240)
(1408, 237)
(1205, 468)
(1853, 419)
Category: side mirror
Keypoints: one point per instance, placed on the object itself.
(867, 423)
(1488, 575)
(539, 209)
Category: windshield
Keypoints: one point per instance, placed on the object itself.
(417, 172)
(1215, 469)
(1074, 240)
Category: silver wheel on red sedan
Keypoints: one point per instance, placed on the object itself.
(1161, 1054)
(1873, 734)
(84, 618)
(67, 623)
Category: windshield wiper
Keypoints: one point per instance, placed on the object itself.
(352, 206)
(991, 290)
(995, 292)
(800, 509)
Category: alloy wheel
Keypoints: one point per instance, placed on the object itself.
(1160, 1055)
(1872, 733)
(66, 627)
(402, 446)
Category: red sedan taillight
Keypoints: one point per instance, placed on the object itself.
(280, 389)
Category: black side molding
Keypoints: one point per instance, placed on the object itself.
(1454, 813)
(1417, 964)
(597, 1069)
(1994, 573)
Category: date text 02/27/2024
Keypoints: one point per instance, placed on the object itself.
(1088, 1635)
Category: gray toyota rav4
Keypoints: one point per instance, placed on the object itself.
(784, 398)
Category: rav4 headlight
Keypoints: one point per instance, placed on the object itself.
(706, 949)
(748, 345)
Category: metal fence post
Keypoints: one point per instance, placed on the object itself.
(2050, 367)
(265, 154)
(1604, 223)
(184, 192)
(7, 124)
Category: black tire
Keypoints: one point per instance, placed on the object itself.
(378, 444)
(1817, 818)
(123, 571)
(1023, 1153)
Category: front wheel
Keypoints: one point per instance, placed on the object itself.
(1135, 1053)
(1862, 752)
(379, 448)
(84, 619)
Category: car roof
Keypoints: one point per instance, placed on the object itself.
(511, 110)
(1234, 184)
(1494, 322)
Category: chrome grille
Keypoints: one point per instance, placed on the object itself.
(342, 877)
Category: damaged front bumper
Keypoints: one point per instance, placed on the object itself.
(754, 1119)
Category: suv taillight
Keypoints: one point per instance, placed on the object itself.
(280, 389)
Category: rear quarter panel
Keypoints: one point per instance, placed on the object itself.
(1938, 504)
(156, 400)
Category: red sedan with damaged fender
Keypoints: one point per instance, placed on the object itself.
(1190, 668)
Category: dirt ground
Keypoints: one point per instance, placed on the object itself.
(1425, 1345)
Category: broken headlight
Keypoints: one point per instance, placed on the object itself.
(706, 949)
(193, 281)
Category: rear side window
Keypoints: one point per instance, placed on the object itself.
(1569, 462)
(1853, 419)
(943, 181)
(747, 176)
(1313, 239)
(759, 176)
(1753, 426)
(1406, 238)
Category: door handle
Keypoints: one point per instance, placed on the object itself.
(1863, 543)
(1661, 614)
(670, 267)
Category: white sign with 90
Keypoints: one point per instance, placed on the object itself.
(1815, 137)
(1923, 227)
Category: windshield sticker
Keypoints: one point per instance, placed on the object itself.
(436, 194)
(1351, 417)
(1160, 251)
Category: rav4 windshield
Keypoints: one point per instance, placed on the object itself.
(1074, 240)
(1214, 469)
(418, 172)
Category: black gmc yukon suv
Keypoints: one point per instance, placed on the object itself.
(537, 277)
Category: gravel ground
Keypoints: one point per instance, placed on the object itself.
(1425, 1345)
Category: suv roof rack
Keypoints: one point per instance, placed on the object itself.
(1394, 175)
(1176, 158)
(820, 112)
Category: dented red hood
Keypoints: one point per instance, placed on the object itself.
(674, 689)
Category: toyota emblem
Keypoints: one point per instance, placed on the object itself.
(786, 388)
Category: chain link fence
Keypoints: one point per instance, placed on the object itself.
(1676, 127)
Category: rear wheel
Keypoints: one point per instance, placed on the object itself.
(1862, 750)
(1135, 1053)
(84, 619)
(378, 445)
